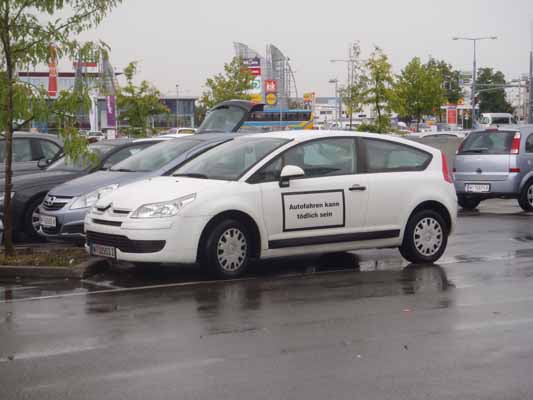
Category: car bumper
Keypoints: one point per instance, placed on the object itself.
(506, 188)
(150, 241)
(69, 224)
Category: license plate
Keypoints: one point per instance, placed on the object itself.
(477, 188)
(99, 250)
(48, 222)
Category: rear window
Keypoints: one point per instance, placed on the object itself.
(496, 142)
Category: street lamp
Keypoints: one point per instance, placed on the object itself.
(473, 94)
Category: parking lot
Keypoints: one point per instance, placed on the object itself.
(362, 326)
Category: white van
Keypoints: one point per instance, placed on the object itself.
(496, 119)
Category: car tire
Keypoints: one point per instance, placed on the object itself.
(226, 251)
(30, 226)
(425, 238)
(526, 197)
(468, 203)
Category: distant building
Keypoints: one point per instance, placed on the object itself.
(326, 110)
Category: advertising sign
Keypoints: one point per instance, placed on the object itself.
(52, 75)
(271, 86)
(309, 97)
(111, 111)
(271, 99)
(313, 210)
(451, 116)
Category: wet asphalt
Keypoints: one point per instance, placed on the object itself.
(363, 326)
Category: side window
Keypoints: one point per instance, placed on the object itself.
(318, 158)
(529, 144)
(384, 156)
(122, 155)
(49, 149)
(22, 150)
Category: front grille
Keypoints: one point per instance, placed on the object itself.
(54, 207)
(121, 212)
(108, 223)
(53, 203)
(124, 244)
(73, 229)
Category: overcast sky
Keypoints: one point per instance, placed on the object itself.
(185, 41)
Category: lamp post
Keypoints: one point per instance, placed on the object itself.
(473, 94)
(338, 98)
(349, 64)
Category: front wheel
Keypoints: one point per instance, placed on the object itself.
(226, 252)
(32, 220)
(425, 238)
(526, 197)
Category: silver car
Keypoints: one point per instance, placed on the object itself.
(495, 163)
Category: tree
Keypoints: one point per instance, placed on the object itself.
(378, 93)
(234, 83)
(450, 79)
(418, 91)
(27, 28)
(354, 94)
(494, 100)
(138, 103)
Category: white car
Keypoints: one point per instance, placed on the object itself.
(282, 194)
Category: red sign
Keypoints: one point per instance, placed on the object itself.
(52, 75)
(452, 116)
(255, 71)
(271, 86)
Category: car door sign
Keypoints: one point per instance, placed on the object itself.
(313, 210)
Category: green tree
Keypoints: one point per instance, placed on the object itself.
(495, 99)
(450, 80)
(353, 96)
(418, 91)
(234, 83)
(379, 93)
(138, 103)
(27, 28)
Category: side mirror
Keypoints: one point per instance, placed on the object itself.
(43, 163)
(289, 172)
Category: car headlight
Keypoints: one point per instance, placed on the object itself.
(2, 194)
(164, 209)
(90, 199)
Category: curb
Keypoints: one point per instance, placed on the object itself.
(80, 271)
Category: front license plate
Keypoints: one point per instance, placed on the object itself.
(99, 250)
(477, 188)
(48, 222)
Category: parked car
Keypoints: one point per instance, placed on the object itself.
(93, 136)
(28, 149)
(29, 190)
(496, 120)
(495, 163)
(79, 195)
(180, 131)
(282, 194)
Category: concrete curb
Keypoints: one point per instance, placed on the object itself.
(80, 271)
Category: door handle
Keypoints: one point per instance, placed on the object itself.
(357, 188)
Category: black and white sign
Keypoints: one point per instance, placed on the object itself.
(313, 210)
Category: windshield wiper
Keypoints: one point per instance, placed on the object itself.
(122, 170)
(193, 175)
(476, 150)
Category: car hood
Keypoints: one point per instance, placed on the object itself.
(45, 178)
(157, 190)
(97, 180)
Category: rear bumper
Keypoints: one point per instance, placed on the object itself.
(507, 188)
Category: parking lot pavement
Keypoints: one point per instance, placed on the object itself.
(366, 327)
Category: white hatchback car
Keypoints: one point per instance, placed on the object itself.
(282, 194)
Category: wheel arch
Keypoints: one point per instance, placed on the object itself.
(437, 207)
(240, 216)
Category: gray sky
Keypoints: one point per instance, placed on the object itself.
(185, 41)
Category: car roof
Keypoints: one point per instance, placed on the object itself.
(19, 134)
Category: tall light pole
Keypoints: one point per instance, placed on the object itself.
(349, 64)
(338, 97)
(474, 72)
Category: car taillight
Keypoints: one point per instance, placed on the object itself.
(514, 170)
(445, 170)
(515, 145)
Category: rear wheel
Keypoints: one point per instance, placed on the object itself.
(468, 203)
(226, 252)
(526, 197)
(425, 237)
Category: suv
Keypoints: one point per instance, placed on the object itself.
(495, 163)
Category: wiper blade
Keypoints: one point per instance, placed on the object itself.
(192, 175)
(122, 170)
(476, 150)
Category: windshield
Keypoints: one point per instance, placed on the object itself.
(223, 119)
(495, 142)
(230, 160)
(64, 164)
(156, 156)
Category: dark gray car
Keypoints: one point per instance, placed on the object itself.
(64, 208)
(28, 149)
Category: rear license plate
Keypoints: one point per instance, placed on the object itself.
(477, 188)
(48, 222)
(99, 250)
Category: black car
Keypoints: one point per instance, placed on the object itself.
(29, 190)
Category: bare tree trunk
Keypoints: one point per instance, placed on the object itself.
(8, 217)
